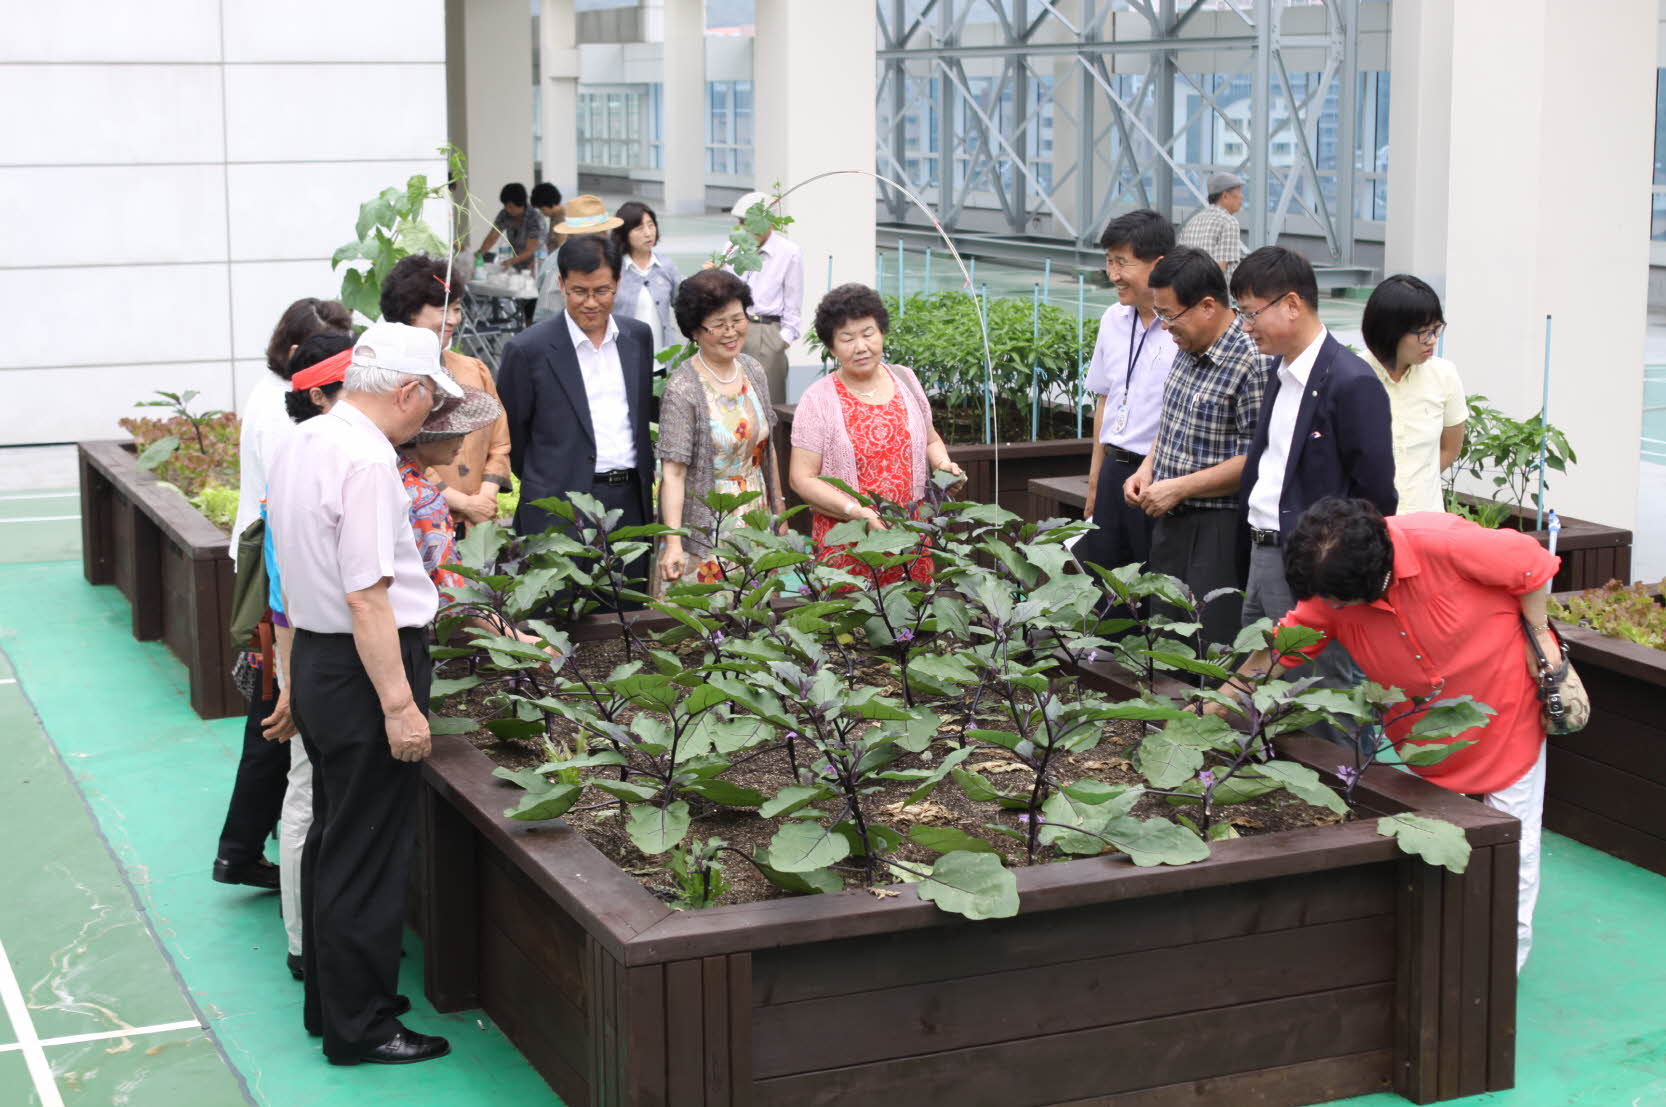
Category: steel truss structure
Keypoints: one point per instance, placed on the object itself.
(966, 86)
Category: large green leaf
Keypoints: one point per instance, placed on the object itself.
(726, 792)
(792, 798)
(947, 839)
(1166, 763)
(809, 881)
(1450, 718)
(1429, 753)
(157, 452)
(801, 846)
(439, 724)
(1155, 841)
(445, 686)
(628, 790)
(1436, 841)
(657, 829)
(1304, 783)
(535, 806)
(975, 885)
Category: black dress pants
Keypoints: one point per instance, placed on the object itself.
(257, 792)
(1124, 534)
(1199, 545)
(355, 868)
(626, 497)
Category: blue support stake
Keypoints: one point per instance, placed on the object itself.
(1544, 431)
(1081, 309)
(927, 286)
(902, 280)
(972, 273)
(1035, 369)
(1046, 278)
(830, 272)
(879, 273)
(988, 385)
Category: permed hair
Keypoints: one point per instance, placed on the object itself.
(704, 295)
(1398, 306)
(416, 281)
(1340, 550)
(299, 322)
(845, 304)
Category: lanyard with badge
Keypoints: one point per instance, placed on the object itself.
(1119, 421)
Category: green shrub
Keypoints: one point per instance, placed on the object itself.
(1505, 451)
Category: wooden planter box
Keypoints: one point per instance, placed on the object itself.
(1288, 969)
(1018, 463)
(171, 564)
(1592, 553)
(1606, 785)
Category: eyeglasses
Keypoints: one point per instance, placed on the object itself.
(1430, 334)
(1168, 320)
(1247, 318)
(433, 390)
(603, 293)
(727, 326)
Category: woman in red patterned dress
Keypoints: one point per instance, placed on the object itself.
(866, 423)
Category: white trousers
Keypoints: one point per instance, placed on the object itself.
(293, 823)
(1525, 799)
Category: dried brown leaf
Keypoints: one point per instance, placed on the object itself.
(1108, 764)
(883, 893)
(1000, 767)
(926, 811)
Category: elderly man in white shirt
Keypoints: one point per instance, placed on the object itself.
(777, 300)
(355, 588)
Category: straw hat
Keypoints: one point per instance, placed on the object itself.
(587, 215)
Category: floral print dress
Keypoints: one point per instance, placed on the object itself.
(740, 439)
(436, 538)
(879, 435)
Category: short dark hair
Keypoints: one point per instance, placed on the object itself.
(545, 195)
(513, 193)
(1401, 304)
(1273, 272)
(845, 303)
(632, 212)
(1213, 196)
(307, 354)
(1150, 235)
(1192, 274)
(299, 322)
(706, 293)
(586, 253)
(1340, 549)
(415, 281)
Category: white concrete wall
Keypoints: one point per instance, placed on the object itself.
(178, 172)
(496, 41)
(1540, 159)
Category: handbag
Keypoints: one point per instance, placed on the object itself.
(1566, 704)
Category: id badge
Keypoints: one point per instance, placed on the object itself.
(1119, 421)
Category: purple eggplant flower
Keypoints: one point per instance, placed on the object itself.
(717, 637)
(1206, 778)
(792, 735)
(1093, 655)
(1025, 818)
(830, 772)
(804, 590)
(905, 635)
(1348, 775)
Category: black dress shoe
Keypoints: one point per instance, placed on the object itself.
(406, 1047)
(401, 1006)
(259, 873)
(297, 967)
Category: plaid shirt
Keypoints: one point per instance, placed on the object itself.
(1210, 404)
(1216, 232)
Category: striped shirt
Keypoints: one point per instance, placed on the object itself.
(1210, 404)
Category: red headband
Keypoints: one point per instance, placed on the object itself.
(328, 371)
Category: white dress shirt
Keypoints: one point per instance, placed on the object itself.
(645, 309)
(604, 388)
(341, 522)
(1130, 365)
(1268, 493)
(265, 422)
(778, 288)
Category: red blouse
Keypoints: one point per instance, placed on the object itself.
(1450, 625)
(879, 435)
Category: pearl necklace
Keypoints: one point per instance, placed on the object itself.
(730, 379)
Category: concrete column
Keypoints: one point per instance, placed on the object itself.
(1545, 212)
(496, 105)
(816, 74)
(559, 69)
(683, 100)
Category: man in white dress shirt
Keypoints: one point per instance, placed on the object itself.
(355, 589)
(777, 300)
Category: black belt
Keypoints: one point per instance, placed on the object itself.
(1124, 456)
(764, 318)
(1259, 537)
(615, 476)
(405, 633)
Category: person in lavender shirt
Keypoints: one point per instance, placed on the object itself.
(1130, 365)
(777, 315)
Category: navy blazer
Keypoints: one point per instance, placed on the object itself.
(552, 444)
(1344, 439)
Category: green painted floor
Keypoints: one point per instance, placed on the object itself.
(111, 801)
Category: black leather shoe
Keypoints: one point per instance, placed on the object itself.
(259, 873)
(297, 967)
(406, 1047)
(401, 1006)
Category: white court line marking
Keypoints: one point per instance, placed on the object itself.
(40, 519)
(39, 495)
(11, 997)
(105, 1035)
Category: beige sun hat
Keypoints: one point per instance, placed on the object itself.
(587, 215)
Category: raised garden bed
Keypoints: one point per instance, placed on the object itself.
(994, 473)
(170, 562)
(1289, 968)
(1592, 553)
(1606, 785)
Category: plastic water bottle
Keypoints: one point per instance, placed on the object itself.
(538, 260)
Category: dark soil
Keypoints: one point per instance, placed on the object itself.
(600, 818)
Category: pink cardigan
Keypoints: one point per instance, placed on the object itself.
(819, 426)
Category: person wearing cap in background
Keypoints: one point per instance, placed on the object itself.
(1215, 229)
(585, 215)
(360, 600)
(777, 314)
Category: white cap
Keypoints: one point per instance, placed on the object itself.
(744, 204)
(403, 348)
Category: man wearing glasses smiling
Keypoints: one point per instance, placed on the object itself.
(1324, 429)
